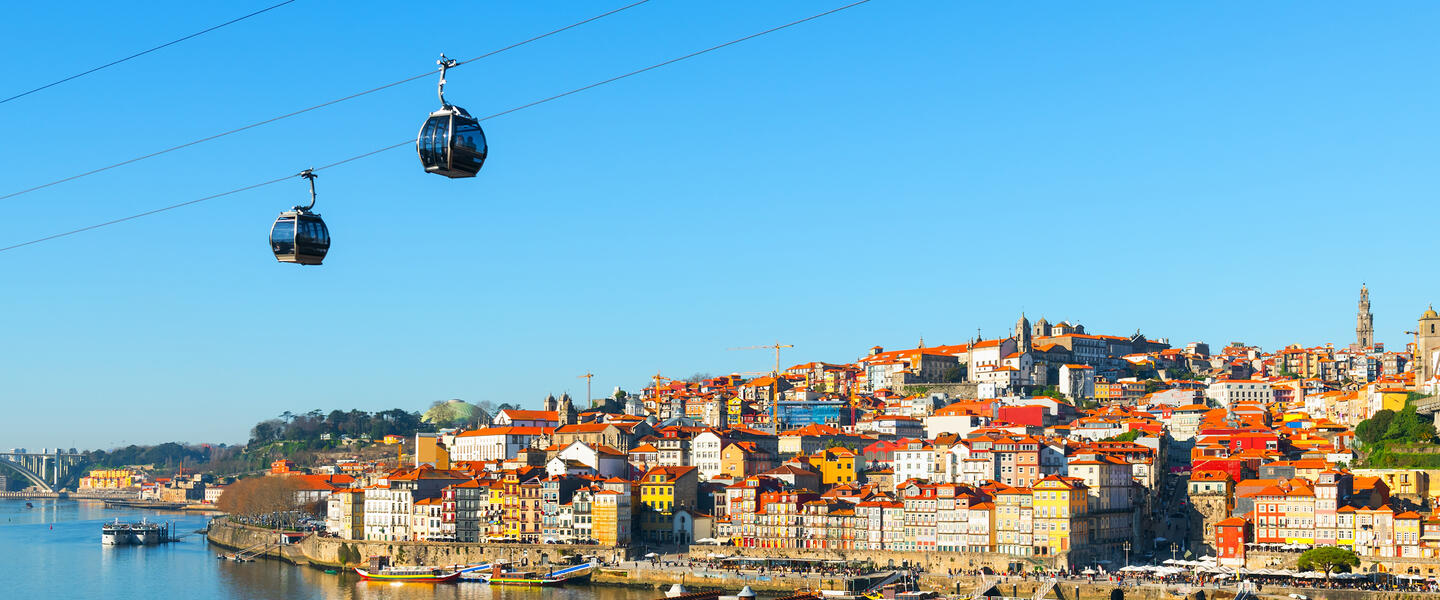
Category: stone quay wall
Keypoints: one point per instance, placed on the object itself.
(326, 551)
(934, 562)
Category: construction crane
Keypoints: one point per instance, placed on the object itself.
(588, 398)
(775, 346)
(775, 391)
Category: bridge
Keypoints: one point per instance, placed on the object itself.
(1427, 406)
(45, 469)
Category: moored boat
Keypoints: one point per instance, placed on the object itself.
(143, 533)
(381, 570)
(536, 579)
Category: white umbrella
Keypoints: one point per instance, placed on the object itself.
(651, 555)
(1170, 561)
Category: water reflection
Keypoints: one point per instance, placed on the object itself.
(55, 549)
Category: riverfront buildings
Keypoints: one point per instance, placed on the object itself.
(1050, 447)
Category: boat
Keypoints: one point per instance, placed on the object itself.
(143, 533)
(573, 574)
(380, 569)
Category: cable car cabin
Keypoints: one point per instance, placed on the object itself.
(299, 237)
(451, 143)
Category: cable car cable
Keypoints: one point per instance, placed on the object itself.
(199, 200)
(315, 107)
(411, 141)
(143, 53)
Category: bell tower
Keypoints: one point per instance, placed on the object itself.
(1022, 335)
(1427, 345)
(1364, 321)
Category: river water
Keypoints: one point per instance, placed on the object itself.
(53, 551)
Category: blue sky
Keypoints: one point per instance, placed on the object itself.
(1219, 172)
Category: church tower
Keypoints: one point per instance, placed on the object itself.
(549, 403)
(567, 413)
(1427, 345)
(1364, 321)
(1022, 335)
(1042, 328)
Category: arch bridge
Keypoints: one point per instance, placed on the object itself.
(44, 469)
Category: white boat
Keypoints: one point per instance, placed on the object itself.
(143, 533)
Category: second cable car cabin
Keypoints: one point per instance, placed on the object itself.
(451, 142)
(299, 236)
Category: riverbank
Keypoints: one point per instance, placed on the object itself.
(326, 552)
(620, 570)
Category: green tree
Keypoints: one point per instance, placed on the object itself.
(1328, 559)
(1372, 429)
(1409, 428)
(1128, 436)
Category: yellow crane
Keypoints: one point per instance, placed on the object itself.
(588, 398)
(775, 346)
(775, 391)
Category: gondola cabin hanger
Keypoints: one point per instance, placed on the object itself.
(299, 236)
(451, 142)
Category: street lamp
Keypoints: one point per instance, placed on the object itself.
(1174, 547)
(1126, 546)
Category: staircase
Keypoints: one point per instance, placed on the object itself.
(1044, 589)
(986, 582)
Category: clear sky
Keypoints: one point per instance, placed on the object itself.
(1216, 172)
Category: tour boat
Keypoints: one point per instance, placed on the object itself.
(380, 569)
(533, 579)
(408, 574)
(143, 533)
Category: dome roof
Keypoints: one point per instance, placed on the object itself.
(452, 411)
(1430, 313)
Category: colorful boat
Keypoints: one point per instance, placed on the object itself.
(535, 579)
(381, 570)
(409, 574)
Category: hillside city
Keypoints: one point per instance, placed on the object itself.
(1052, 448)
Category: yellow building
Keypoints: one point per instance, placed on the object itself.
(662, 491)
(108, 479)
(429, 451)
(837, 466)
(610, 518)
(743, 459)
(1059, 505)
(1392, 398)
(1401, 482)
(1407, 528)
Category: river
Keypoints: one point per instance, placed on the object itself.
(53, 551)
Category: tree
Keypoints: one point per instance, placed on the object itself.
(258, 496)
(1370, 430)
(1328, 559)
(1409, 428)
(1128, 436)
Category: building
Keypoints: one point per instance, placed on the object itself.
(611, 517)
(494, 443)
(1364, 322)
(345, 514)
(662, 491)
(1060, 507)
(1228, 392)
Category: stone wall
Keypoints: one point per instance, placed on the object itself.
(934, 562)
(957, 391)
(326, 550)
